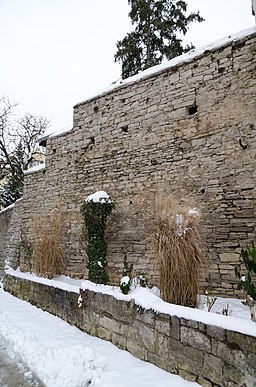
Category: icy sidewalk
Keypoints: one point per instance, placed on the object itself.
(63, 356)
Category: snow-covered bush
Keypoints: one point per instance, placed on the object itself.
(96, 209)
(179, 252)
(125, 284)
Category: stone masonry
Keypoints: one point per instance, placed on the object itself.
(186, 130)
(208, 354)
(5, 217)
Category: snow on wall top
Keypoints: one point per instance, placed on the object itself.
(184, 58)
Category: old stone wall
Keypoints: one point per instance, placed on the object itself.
(10, 236)
(5, 216)
(210, 355)
(187, 130)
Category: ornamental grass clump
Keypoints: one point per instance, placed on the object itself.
(48, 255)
(96, 210)
(178, 251)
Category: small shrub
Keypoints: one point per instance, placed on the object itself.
(142, 280)
(247, 281)
(226, 311)
(127, 270)
(210, 301)
(95, 214)
(48, 256)
(125, 284)
(179, 251)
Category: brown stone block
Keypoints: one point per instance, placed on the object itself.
(212, 368)
(195, 339)
(244, 342)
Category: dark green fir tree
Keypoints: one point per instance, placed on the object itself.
(13, 185)
(155, 37)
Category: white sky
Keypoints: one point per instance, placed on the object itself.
(55, 53)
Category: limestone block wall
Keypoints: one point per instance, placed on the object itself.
(208, 354)
(5, 217)
(188, 130)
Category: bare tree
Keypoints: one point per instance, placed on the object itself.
(18, 148)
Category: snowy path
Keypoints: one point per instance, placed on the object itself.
(63, 356)
(13, 373)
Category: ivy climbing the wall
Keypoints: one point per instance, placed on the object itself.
(96, 210)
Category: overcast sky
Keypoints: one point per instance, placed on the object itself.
(55, 53)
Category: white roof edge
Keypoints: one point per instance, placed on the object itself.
(184, 58)
(35, 169)
(11, 206)
(55, 133)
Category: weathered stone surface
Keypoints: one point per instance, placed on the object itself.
(216, 332)
(175, 328)
(195, 339)
(242, 341)
(5, 217)
(162, 323)
(231, 374)
(212, 368)
(187, 375)
(231, 355)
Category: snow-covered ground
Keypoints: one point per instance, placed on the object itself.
(63, 356)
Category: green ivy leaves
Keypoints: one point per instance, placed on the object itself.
(95, 221)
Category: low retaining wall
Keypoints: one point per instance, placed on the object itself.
(210, 355)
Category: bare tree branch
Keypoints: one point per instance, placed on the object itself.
(18, 145)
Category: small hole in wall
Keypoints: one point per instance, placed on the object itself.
(147, 100)
(130, 201)
(191, 110)
(123, 100)
(53, 151)
(124, 128)
(96, 108)
(202, 190)
(221, 70)
(92, 140)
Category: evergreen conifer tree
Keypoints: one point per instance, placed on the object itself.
(154, 38)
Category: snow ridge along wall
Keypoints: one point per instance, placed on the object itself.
(186, 129)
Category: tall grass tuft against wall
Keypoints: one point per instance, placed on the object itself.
(178, 250)
(48, 255)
